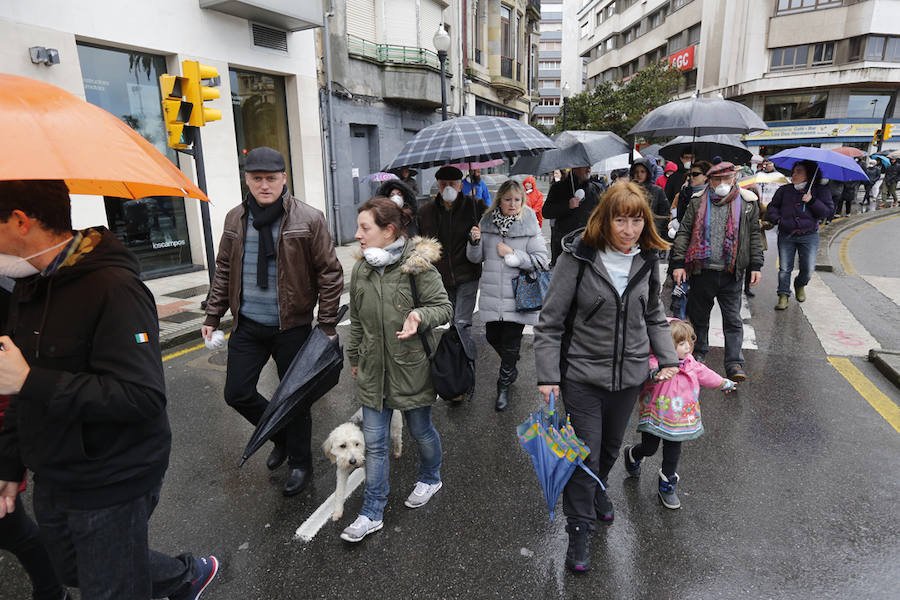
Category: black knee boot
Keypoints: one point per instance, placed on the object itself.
(508, 375)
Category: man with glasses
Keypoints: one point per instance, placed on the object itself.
(718, 240)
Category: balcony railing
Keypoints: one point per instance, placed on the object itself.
(506, 67)
(389, 54)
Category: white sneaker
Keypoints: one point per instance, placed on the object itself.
(360, 528)
(422, 494)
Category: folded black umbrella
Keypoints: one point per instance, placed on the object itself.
(314, 371)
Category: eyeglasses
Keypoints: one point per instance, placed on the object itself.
(696, 174)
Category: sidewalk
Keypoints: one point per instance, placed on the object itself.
(178, 301)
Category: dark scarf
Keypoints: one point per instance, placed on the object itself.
(699, 250)
(263, 217)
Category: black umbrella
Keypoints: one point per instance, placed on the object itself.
(314, 371)
(728, 146)
(698, 117)
(576, 149)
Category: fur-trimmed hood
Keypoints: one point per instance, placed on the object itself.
(420, 253)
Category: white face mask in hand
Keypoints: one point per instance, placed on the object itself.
(17, 267)
(449, 193)
(397, 199)
(377, 257)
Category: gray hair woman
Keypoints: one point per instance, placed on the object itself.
(507, 240)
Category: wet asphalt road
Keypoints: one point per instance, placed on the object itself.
(791, 493)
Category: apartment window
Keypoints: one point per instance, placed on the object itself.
(795, 106)
(610, 74)
(875, 47)
(676, 43)
(693, 35)
(610, 43)
(801, 57)
(549, 64)
(867, 105)
(624, 5)
(506, 49)
(551, 46)
(676, 4)
(599, 17)
(787, 7)
(585, 29)
(628, 36)
(610, 9)
(549, 83)
(479, 32)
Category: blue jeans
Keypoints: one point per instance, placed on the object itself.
(376, 430)
(805, 245)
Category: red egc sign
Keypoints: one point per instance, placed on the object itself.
(683, 60)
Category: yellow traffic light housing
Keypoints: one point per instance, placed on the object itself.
(888, 132)
(876, 137)
(196, 93)
(176, 112)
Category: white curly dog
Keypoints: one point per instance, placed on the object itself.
(345, 446)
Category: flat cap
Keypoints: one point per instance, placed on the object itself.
(264, 159)
(722, 168)
(448, 173)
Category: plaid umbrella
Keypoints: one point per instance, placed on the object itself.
(471, 139)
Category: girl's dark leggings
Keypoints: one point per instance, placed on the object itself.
(648, 446)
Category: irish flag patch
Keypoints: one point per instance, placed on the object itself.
(141, 338)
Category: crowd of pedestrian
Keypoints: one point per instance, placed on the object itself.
(89, 417)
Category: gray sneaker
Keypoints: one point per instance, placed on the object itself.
(360, 528)
(422, 494)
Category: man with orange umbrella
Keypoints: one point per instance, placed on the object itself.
(88, 410)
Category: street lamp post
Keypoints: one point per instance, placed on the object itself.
(566, 92)
(442, 45)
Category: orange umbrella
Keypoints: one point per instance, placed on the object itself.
(849, 151)
(52, 134)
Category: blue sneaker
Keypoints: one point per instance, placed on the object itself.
(206, 569)
(632, 467)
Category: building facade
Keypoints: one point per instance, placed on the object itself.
(112, 53)
(500, 45)
(819, 72)
(560, 66)
(385, 79)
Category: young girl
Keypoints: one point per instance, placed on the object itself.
(670, 410)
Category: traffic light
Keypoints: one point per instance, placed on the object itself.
(176, 111)
(887, 132)
(196, 93)
(876, 138)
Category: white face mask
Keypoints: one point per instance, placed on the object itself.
(824, 181)
(17, 267)
(687, 164)
(800, 186)
(722, 189)
(449, 193)
(528, 188)
(397, 199)
(377, 257)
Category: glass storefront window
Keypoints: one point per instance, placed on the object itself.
(260, 116)
(795, 106)
(126, 84)
(869, 105)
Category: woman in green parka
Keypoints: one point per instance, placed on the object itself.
(386, 353)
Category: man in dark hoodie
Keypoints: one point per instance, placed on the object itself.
(88, 412)
(570, 201)
(640, 174)
(677, 179)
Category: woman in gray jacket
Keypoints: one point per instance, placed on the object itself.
(508, 240)
(601, 319)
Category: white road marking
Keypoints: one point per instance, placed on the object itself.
(888, 286)
(837, 329)
(322, 515)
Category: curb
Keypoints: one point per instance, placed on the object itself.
(876, 358)
(167, 342)
(830, 233)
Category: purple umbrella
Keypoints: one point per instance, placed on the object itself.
(832, 165)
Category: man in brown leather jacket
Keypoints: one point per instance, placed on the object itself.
(276, 259)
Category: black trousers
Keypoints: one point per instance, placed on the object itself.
(707, 287)
(599, 418)
(249, 349)
(648, 446)
(21, 536)
(505, 338)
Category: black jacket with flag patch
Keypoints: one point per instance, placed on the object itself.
(90, 420)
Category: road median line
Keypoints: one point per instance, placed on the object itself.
(875, 397)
